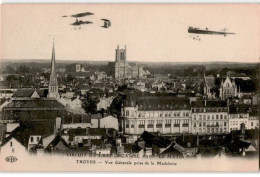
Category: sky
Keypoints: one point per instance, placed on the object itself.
(151, 32)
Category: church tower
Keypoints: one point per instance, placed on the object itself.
(120, 64)
(53, 84)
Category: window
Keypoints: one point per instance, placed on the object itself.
(132, 126)
(11, 143)
(221, 116)
(141, 122)
(159, 124)
(225, 123)
(38, 139)
(168, 123)
(132, 113)
(225, 117)
(31, 139)
(217, 116)
(150, 124)
(212, 117)
(208, 117)
(194, 125)
(252, 123)
(204, 117)
(200, 124)
(204, 124)
(140, 126)
(127, 113)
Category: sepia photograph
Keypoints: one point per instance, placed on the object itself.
(129, 87)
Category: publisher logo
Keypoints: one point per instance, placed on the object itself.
(11, 159)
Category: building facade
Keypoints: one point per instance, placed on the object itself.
(163, 114)
(209, 117)
(236, 119)
(228, 89)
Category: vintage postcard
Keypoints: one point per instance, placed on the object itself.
(129, 87)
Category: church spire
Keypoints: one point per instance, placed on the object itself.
(53, 84)
(53, 76)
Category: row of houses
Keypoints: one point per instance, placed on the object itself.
(172, 115)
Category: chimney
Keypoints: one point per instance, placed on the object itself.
(198, 139)
(158, 133)
(58, 125)
(98, 122)
(242, 129)
(188, 145)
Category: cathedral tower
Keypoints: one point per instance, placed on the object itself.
(121, 63)
(53, 84)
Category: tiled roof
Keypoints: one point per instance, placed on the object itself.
(206, 104)
(23, 133)
(158, 102)
(29, 91)
(35, 103)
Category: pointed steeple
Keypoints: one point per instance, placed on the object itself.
(53, 76)
(53, 84)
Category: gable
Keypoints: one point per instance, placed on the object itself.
(35, 95)
(14, 141)
(227, 82)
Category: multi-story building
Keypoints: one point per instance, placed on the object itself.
(236, 118)
(209, 117)
(156, 113)
(253, 120)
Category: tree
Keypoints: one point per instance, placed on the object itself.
(90, 106)
(70, 78)
(10, 79)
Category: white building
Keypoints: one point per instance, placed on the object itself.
(12, 147)
(209, 117)
(105, 122)
(164, 114)
(228, 89)
(236, 119)
(33, 141)
(104, 103)
(253, 121)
